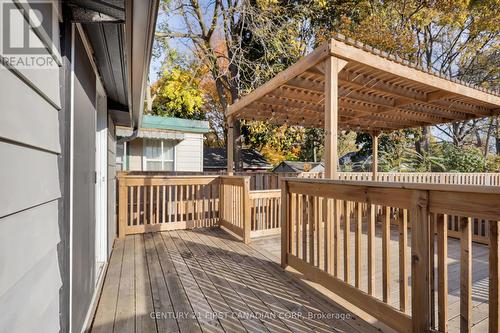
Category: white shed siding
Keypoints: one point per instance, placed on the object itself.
(189, 153)
(30, 277)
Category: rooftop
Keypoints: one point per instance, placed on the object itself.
(216, 158)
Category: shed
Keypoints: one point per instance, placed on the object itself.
(163, 144)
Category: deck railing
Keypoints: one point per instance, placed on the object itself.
(235, 205)
(263, 180)
(156, 203)
(318, 217)
(148, 203)
(265, 213)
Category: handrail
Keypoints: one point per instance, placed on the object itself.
(317, 216)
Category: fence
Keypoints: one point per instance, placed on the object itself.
(486, 179)
(317, 219)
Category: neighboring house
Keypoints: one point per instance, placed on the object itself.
(215, 159)
(57, 142)
(163, 144)
(296, 166)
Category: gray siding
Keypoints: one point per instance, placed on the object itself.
(30, 277)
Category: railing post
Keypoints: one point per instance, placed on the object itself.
(285, 239)
(420, 262)
(494, 268)
(222, 198)
(122, 207)
(246, 210)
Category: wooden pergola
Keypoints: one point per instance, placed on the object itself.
(347, 85)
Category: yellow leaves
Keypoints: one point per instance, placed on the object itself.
(177, 92)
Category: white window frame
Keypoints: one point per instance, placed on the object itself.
(145, 159)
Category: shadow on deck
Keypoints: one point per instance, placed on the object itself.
(205, 280)
(271, 247)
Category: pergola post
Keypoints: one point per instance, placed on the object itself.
(374, 156)
(333, 66)
(230, 146)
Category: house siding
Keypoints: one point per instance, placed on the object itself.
(30, 274)
(134, 155)
(189, 153)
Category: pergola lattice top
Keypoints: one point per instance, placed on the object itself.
(376, 92)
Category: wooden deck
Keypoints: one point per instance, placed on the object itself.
(271, 247)
(205, 280)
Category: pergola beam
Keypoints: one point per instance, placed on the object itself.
(332, 67)
(230, 145)
(374, 156)
(352, 53)
(383, 104)
(395, 101)
(300, 66)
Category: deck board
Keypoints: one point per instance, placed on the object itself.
(204, 272)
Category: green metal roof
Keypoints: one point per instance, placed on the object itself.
(175, 124)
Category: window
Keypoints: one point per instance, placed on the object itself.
(158, 155)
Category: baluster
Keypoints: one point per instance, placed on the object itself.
(359, 221)
(298, 218)
(320, 233)
(371, 247)
(442, 240)
(157, 219)
(139, 190)
(386, 268)
(292, 222)
(150, 204)
(336, 226)
(311, 214)
(163, 200)
(304, 227)
(403, 262)
(130, 202)
(329, 237)
(494, 272)
(465, 273)
(347, 242)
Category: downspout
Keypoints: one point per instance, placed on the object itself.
(139, 30)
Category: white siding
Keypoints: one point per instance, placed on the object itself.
(111, 185)
(189, 153)
(30, 277)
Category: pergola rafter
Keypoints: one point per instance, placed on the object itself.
(344, 84)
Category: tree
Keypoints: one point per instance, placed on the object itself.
(456, 38)
(177, 93)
